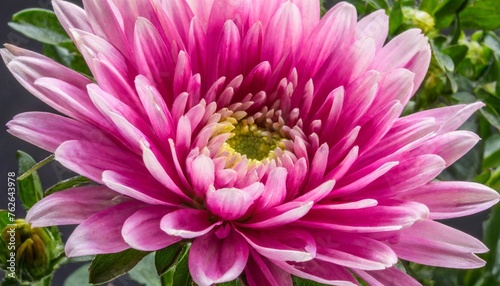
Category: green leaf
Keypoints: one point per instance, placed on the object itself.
(429, 6)
(106, 267)
(69, 57)
(456, 52)
(181, 274)
(491, 115)
(236, 282)
(481, 15)
(492, 152)
(30, 188)
(144, 273)
(41, 25)
(303, 282)
(4, 219)
(165, 258)
(395, 18)
(447, 12)
(491, 238)
(74, 182)
(79, 277)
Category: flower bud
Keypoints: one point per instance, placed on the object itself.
(418, 19)
(36, 251)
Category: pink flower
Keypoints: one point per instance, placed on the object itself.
(271, 138)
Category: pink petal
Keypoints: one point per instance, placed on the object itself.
(453, 199)
(229, 203)
(275, 191)
(72, 206)
(283, 35)
(282, 244)
(279, 215)
(393, 216)
(48, 131)
(319, 271)
(201, 170)
(75, 155)
(375, 26)
(147, 221)
(188, 223)
(387, 277)
(216, 260)
(432, 243)
(101, 233)
(262, 272)
(354, 251)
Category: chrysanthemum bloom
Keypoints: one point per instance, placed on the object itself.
(270, 138)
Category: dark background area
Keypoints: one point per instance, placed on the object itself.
(15, 99)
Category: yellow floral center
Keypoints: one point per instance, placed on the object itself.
(252, 141)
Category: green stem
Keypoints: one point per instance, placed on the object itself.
(36, 167)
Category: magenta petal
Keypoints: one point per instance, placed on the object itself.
(72, 206)
(262, 272)
(421, 242)
(142, 229)
(101, 233)
(216, 260)
(188, 223)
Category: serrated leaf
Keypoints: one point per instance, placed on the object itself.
(143, 272)
(481, 15)
(79, 277)
(73, 182)
(165, 258)
(106, 267)
(30, 188)
(41, 25)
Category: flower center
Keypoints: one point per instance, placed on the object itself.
(254, 142)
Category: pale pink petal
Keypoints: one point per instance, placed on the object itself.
(48, 131)
(375, 26)
(432, 243)
(216, 260)
(72, 206)
(453, 199)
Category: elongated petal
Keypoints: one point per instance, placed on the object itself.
(282, 244)
(217, 260)
(387, 277)
(262, 272)
(453, 199)
(72, 206)
(101, 233)
(319, 271)
(422, 241)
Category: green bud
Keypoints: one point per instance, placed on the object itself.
(478, 56)
(36, 251)
(418, 19)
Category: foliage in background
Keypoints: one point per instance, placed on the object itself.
(465, 68)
